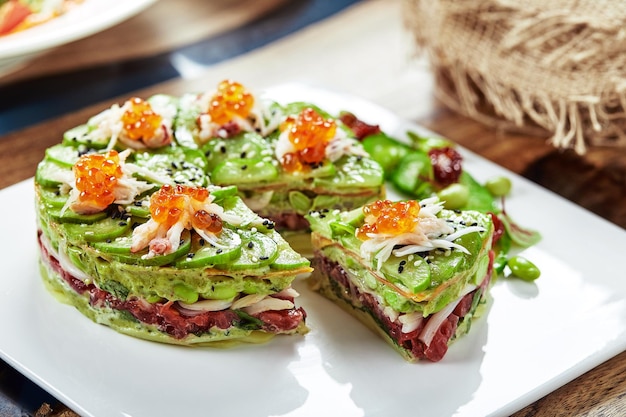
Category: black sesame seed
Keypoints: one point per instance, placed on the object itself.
(201, 242)
(122, 223)
(244, 167)
(270, 226)
(223, 149)
(403, 262)
(474, 224)
(243, 155)
(265, 222)
(174, 165)
(137, 203)
(219, 251)
(264, 258)
(250, 245)
(190, 255)
(400, 269)
(207, 153)
(109, 241)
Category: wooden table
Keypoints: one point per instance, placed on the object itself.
(366, 51)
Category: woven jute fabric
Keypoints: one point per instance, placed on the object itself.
(557, 66)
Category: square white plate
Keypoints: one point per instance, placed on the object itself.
(536, 337)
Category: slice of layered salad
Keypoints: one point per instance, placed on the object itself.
(132, 234)
(415, 273)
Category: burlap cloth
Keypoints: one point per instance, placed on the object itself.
(556, 65)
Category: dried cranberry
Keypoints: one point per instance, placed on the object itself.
(447, 165)
(358, 127)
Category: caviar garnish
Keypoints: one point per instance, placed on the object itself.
(168, 205)
(140, 121)
(96, 178)
(388, 217)
(231, 100)
(210, 222)
(309, 133)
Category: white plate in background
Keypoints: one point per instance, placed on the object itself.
(90, 17)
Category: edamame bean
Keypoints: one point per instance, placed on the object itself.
(454, 196)
(522, 268)
(498, 186)
(185, 294)
(221, 292)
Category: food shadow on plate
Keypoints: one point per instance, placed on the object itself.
(378, 379)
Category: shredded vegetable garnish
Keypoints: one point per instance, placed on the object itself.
(403, 228)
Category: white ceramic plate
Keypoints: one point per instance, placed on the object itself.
(537, 336)
(88, 18)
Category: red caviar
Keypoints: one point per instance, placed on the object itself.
(385, 216)
(168, 204)
(231, 100)
(210, 222)
(309, 133)
(140, 121)
(96, 177)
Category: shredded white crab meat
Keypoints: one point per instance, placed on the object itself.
(251, 303)
(438, 318)
(410, 321)
(109, 126)
(127, 188)
(162, 240)
(430, 232)
(262, 119)
(342, 145)
(64, 261)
